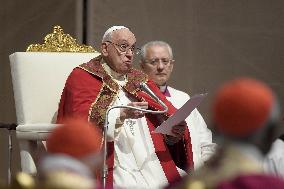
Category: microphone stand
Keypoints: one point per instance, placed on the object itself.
(105, 167)
(10, 127)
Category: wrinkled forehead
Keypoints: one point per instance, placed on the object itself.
(123, 35)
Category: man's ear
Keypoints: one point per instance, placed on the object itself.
(104, 49)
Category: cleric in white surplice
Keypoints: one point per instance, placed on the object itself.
(157, 62)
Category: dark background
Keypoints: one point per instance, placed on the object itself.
(212, 41)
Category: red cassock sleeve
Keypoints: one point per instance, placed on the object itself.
(80, 91)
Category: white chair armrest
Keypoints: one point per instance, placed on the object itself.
(34, 131)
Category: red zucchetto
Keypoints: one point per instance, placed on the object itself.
(242, 106)
(76, 138)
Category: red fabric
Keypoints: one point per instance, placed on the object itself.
(82, 89)
(182, 151)
(78, 95)
(163, 152)
(110, 163)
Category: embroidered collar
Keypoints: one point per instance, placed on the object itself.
(130, 81)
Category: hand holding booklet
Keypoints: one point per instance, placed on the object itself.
(180, 115)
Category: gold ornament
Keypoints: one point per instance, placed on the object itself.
(58, 41)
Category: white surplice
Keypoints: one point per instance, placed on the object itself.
(201, 137)
(136, 164)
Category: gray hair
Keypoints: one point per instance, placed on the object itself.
(108, 34)
(144, 48)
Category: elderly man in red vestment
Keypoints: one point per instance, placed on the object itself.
(136, 157)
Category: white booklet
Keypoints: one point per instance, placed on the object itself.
(180, 115)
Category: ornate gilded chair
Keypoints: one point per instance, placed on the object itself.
(38, 77)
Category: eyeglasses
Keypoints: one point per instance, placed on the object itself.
(156, 61)
(124, 48)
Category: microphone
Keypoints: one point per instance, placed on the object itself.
(144, 87)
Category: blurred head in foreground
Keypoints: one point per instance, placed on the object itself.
(73, 156)
(246, 115)
(246, 110)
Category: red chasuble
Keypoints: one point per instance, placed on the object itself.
(89, 91)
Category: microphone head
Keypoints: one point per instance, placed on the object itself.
(142, 86)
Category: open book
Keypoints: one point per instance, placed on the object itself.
(180, 115)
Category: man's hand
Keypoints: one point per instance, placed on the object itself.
(127, 113)
(178, 130)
